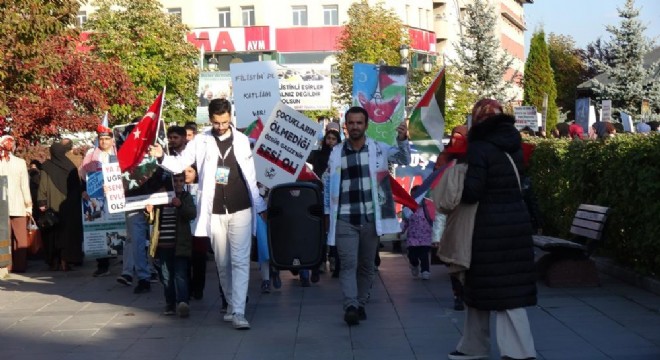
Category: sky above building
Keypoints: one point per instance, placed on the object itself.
(585, 20)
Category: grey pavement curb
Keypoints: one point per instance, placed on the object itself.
(609, 267)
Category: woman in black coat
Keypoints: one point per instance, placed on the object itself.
(501, 276)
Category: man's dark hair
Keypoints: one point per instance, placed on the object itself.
(179, 130)
(219, 107)
(654, 125)
(357, 110)
(191, 125)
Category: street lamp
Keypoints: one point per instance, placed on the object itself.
(405, 63)
(427, 65)
(404, 51)
(213, 63)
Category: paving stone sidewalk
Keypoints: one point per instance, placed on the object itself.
(56, 315)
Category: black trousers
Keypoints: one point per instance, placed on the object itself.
(419, 256)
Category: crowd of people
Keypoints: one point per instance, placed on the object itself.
(479, 218)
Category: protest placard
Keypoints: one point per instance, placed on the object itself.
(526, 116)
(627, 122)
(212, 85)
(306, 88)
(284, 145)
(606, 110)
(256, 90)
(103, 232)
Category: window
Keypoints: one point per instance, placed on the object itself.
(248, 15)
(330, 15)
(300, 16)
(224, 17)
(81, 18)
(407, 14)
(175, 11)
(421, 23)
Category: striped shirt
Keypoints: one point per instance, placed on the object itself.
(167, 236)
(355, 201)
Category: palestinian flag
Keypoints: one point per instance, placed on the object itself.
(427, 121)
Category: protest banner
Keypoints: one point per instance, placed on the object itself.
(381, 90)
(526, 116)
(256, 90)
(103, 232)
(306, 88)
(582, 113)
(212, 85)
(606, 110)
(627, 122)
(284, 145)
(143, 184)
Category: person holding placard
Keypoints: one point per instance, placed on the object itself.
(359, 205)
(227, 203)
(104, 153)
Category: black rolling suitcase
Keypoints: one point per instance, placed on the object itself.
(296, 234)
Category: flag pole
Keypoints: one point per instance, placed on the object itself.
(160, 114)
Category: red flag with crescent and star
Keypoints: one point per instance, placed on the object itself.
(143, 134)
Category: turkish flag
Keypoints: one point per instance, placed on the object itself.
(137, 143)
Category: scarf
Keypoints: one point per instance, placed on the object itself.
(59, 167)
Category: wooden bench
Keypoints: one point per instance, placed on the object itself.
(567, 262)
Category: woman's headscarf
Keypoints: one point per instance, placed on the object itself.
(484, 109)
(59, 166)
(7, 147)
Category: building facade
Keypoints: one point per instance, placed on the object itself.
(299, 32)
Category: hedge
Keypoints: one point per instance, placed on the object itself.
(622, 173)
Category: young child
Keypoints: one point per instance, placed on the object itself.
(420, 230)
(173, 242)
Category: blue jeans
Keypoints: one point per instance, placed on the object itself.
(174, 274)
(137, 228)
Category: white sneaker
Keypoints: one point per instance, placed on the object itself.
(183, 310)
(240, 322)
(426, 275)
(414, 270)
(229, 315)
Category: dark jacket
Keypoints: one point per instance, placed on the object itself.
(501, 274)
(184, 215)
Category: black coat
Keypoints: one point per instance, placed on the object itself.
(501, 274)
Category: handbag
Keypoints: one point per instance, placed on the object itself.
(35, 244)
(48, 219)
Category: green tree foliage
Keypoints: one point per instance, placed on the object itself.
(479, 55)
(568, 173)
(630, 81)
(539, 79)
(460, 99)
(372, 33)
(26, 26)
(568, 70)
(150, 45)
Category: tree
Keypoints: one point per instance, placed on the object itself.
(630, 81)
(460, 99)
(372, 33)
(568, 70)
(595, 52)
(47, 85)
(479, 55)
(76, 97)
(25, 27)
(539, 79)
(150, 45)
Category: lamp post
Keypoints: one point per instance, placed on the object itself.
(213, 64)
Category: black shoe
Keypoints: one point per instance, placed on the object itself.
(197, 295)
(315, 277)
(351, 316)
(362, 314)
(143, 286)
(126, 280)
